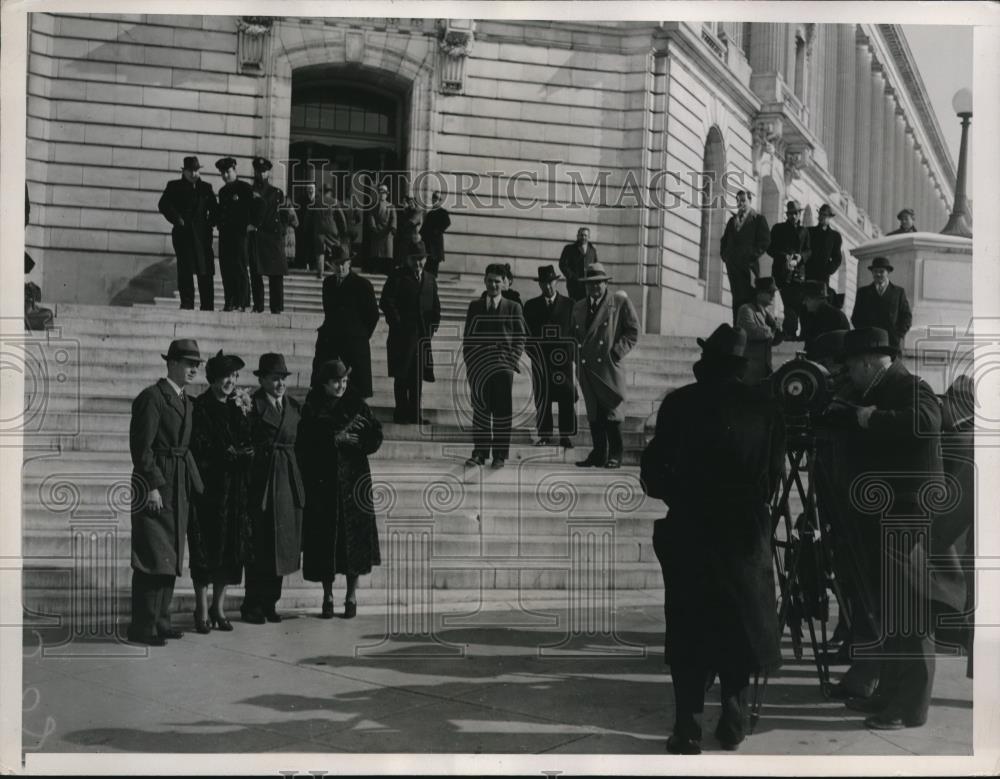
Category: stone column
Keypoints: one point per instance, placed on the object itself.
(925, 195)
(862, 121)
(909, 168)
(830, 68)
(888, 157)
(899, 163)
(817, 63)
(875, 206)
(767, 47)
(843, 158)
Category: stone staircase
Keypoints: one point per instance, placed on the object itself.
(447, 531)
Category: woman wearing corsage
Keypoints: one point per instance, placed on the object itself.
(337, 433)
(219, 532)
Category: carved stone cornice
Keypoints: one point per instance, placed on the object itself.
(455, 40)
(251, 49)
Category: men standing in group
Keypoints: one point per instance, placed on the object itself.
(744, 240)
(553, 354)
(436, 223)
(907, 224)
(351, 314)
(270, 217)
(381, 224)
(413, 312)
(606, 328)
(715, 460)
(492, 345)
(882, 304)
(573, 262)
(233, 219)
(189, 204)
(825, 248)
(789, 247)
(165, 479)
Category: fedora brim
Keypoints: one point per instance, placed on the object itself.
(881, 267)
(268, 373)
(888, 351)
(192, 358)
(588, 279)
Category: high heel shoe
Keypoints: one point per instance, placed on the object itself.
(219, 623)
(201, 625)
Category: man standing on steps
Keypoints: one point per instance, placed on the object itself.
(606, 328)
(826, 253)
(744, 240)
(492, 345)
(233, 220)
(271, 216)
(165, 479)
(413, 312)
(574, 260)
(553, 354)
(188, 203)
(436, 223)
(351, 314)
(790, 249)
(882, 304)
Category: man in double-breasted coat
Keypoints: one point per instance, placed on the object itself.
(351, 314)
(413, 312)
(715, 460)
(276, 493)
(435, 225)
(232, 219)
(744, 240)
(492, 345)
(882, 304)
(381, 225)
(165, 479)
(790, 248)
(573, 261)
(271, 216)
(605, 327)
(826, 248)
(553, 355)
(189, 204)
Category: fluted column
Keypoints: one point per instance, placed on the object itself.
(789, 60)
(909, 167)
(830, 69)
(816, 63)
(925, 192)
(843, 160)
(899, 163)
(874, 204)
(888, 158)
(862, 121)
(767, 47)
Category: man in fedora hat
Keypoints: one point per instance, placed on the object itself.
(790, 249)
(907, 224)
(761, 328)
(897, 441)
(271, 216)
(606, 328)
(381, 227)
(432, 230)
(882, 304)
(492, 344)
(744, 240)
(276, 494)
(819, 315)
(189, 204)
(574, 260)
(553, 354)
(826, 253)
(233, 220)
(715, 460)
(165, 479)
(412, 311)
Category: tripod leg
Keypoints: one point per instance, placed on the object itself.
(757, 699)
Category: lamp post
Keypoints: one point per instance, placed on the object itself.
(960, 221)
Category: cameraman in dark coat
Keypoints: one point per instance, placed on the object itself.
(715, 459)
(189, 204)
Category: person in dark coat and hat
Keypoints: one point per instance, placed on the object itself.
(882, 304)
(819, 315)
(233, 219)
(761, 328)
(435, 225)
(165, 480)
(271, 215)
(715, 460)
(573, 261)
(897, 440)
(219, 532)
(826, 253)
(189, 204)
(351, 315)
(337, 433)
(790, 247)
(744, 240)
(553, 355)
(906, 219)
(277, 494)
(380, 225)
(412, 311)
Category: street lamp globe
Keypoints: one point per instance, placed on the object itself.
(962, 102)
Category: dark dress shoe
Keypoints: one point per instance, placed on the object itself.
(201, 625)
(591, 462)
(147, 639)
(252, 616)
(171, 633)
(873, 705)
(613, 464)
(475, 460)
(498, 462)
(219, 622)
(350, 609)
(543, 442)
(682, 745)
(327, 612)
(887, 721)
(566, 443)
(273, 617)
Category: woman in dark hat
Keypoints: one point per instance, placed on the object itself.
(219, 532)
(337, 433)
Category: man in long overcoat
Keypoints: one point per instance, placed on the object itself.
(276, 494)
(826, 252)
(351, 314)
(605, 327)
(492, 345)
(553, 355)
(744, 240)
(271, 216)
(573, 261)
(189, 204)
(233, 219)
(436, 223)
(381, 225)
(412, 311)
(715, 460)
(897, 441)
(882, 304)
(165, 480)
(789, 247)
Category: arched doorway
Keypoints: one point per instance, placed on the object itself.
(770, 208)
(713, 215)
